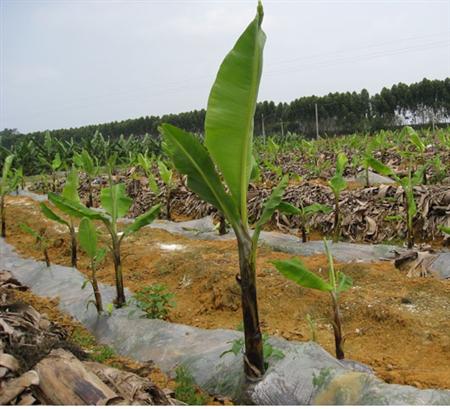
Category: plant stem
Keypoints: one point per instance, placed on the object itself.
(304, 235)
(90, 201)
(337, 328)
(222, 225)
(3, 215)
(97, 295)
(253, 357)
(47, 258)
(120, 299)
(337, 220)
(73, 246)
(168, 200)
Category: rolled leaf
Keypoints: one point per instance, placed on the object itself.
(296, 271)
(231, 108)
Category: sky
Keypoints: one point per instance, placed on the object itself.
(72, 63)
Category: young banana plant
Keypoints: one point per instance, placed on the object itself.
(228, 148)
(146, 163)
(70, 192)
(115, 204)
(42, 241)
(87, 236)
(167, 177)
(89, 165)
(338, 282)
(5, 188)
(407, 183)
(338, 184)
(303, 212)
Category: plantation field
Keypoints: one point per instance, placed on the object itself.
(397, 325)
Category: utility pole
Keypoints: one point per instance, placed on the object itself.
(263, 129)
(317, 121)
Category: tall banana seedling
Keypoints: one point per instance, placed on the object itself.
(228, 148)
(70, 192)
(5, 188)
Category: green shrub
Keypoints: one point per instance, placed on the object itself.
(155, 301)
(185, 389)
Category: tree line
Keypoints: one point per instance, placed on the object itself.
(424, 102)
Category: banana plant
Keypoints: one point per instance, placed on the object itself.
(42, 241)
(228, 150)
(115, 204)
(89, 164)
(5, 188)
(303, 212)
(146, 163)
(87, 236)
(338, 184)
(338, 282)
(407, 183)
(70, 192)
(167, 178)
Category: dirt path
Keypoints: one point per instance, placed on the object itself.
(399, 326)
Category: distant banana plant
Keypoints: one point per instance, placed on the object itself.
(338, 184)
(167, 178)
(87, 236)
(88, 164)
(407, 183)
(42, 240)
(228, 148)
(5, 188)
(303, 212)
(70, 192)
(146, 163)
(337, 283)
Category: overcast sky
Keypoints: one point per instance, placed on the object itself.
(72, 63)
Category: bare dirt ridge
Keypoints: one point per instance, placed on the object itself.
(400, 326)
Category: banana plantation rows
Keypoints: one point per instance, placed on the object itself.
(222, 267)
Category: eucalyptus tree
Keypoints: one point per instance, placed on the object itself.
(5, 188)
(70, 192)
(228, 148)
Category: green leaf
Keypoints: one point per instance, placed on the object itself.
(337, 183)
(444, 229)
(87, 237)
(316, 208)
(296, 271)
(231, 108)
(75, 209)
(119, 206)
(5, 172)
(29, 230)
(101, 253)
(56, 162)
(152, 184)
(414, 138)
(270, 206)
(165, 173)
(341, 163)
(191, 158)
(381, 168)
(144, 162)
(143, 220)
(70, 190)
(50, 214)
(288, 208)
(344, 282)
(88, 163)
